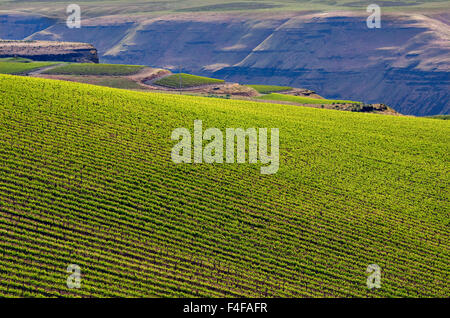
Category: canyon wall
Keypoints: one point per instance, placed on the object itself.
(405, 64)
(49, 51)
(17, 26)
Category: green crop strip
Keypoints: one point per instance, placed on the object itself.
(303, 100)
(266, 89)
(94, 69)
(186, 80)
(21, 67)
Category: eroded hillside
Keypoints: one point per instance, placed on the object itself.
(49, 51)
(404, 64)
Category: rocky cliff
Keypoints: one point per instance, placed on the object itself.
(50, 51)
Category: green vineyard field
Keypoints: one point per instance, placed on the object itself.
(266, 89)
(94, 69)
(7, 67)
(303, 100)
(86, 178)
(187, 80)
(108, 81)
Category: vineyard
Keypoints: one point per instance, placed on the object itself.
(266, 89)
(8, 67)
(443, 117)
(94, 69)
(186, 81)
(86, 178)
(108, 81)
(303, 100)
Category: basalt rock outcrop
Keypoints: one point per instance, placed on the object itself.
(50, 51)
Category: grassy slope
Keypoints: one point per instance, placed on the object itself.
(443, 117)
(15, 59)
(108, 81)
(303, 100)
(86, 178)
(94, 69)
(187, 80)
(20, 67)
(266, 89)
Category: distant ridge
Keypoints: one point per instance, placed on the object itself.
(50, 51)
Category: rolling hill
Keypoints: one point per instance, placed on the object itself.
(143, 78)
(86, 178)
(186, 80)
(94, 69)
(21, 67)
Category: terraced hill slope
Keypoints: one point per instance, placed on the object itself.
(86, 178)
